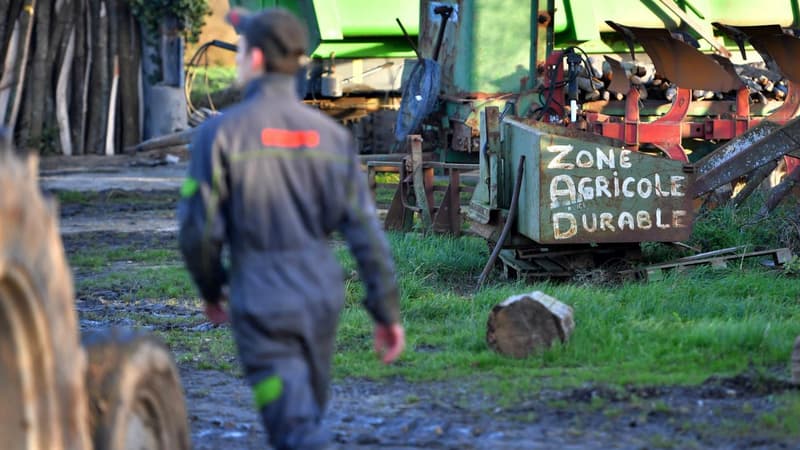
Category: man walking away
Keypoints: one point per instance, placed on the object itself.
(272, 179)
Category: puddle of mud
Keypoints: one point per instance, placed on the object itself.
(365, 414)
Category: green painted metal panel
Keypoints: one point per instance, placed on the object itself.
(385, 48)
(485, 48)
(351, 28)
(377, 18)
(328, 20)
(580, 188)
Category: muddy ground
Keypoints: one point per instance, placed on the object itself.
(721, 413)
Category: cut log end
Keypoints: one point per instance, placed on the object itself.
(526, 324)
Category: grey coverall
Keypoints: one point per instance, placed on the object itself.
(273, 179)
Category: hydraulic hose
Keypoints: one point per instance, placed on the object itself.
(512, 212)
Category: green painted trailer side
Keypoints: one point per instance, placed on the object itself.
(487, 43)
(580, 188)
(352, 28)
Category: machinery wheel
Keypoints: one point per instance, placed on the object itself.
(135, 395)
(41, 363)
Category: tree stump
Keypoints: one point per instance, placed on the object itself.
(528, 323)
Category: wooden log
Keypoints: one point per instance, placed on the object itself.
(170, 140)
(528, 323)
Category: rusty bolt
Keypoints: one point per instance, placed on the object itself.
(543, 18)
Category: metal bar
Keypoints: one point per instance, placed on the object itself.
(408, 38)
(751, 154)
(542, 37)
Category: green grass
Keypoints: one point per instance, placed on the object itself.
(115, 196)
(149, 283)
(209, 80)
(679, 330)
(97, 258)
(676, 331)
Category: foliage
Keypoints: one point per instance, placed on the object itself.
(189, 13)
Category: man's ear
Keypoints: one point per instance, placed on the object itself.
(256, 59)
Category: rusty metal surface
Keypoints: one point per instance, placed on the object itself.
(698, 27)
(681, 63)
(735, 146)
(462, 136)
(745, 154)
(581, 188)
(778, 49)
(619, 79)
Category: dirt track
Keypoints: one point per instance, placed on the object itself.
(395, 414)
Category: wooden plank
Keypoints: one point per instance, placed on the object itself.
(654, 272)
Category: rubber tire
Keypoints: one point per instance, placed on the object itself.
(134, 386)
(41, 363)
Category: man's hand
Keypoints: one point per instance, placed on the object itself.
(216, 313)
(389, 341)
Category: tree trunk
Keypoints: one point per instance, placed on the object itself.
(62, 28)
(114, 7)
(26, 23)
(62, 110)
(10, 9)
(129, 77)
(40, 73)
(98, 105)
(7, 80)
(528, 323)
(112, 110)
(80, 77)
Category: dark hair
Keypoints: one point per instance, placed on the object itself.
(278, 34)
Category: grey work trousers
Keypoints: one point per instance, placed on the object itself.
(294, 420)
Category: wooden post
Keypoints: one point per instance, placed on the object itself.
(418, 174)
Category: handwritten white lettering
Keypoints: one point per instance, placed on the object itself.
(556, 162)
